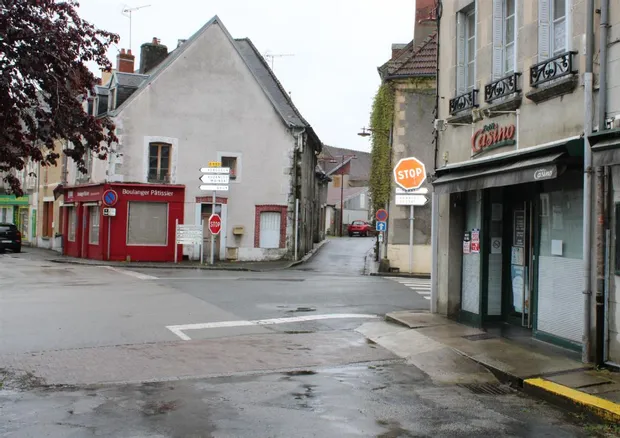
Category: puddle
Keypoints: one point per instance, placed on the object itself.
(303, 309)
(298, 332)
(301, 373)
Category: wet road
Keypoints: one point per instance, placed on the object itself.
(89, 351)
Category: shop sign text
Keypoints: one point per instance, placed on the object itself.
(492, 136)
(144, 193)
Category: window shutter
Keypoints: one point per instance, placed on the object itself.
(498, 38)
(544, 30)
(460, 53)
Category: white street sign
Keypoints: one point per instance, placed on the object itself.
(415, 200)
(108, 211)
(214, 188)
(420, 191)
(215, 170)
(215, 178)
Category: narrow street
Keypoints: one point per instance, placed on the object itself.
(178, 353)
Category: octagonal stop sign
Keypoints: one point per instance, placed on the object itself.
(409, 173)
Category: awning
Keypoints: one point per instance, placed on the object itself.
(517, 172)
(606, 153)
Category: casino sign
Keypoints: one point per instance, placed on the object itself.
(492, 136)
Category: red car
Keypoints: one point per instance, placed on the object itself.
(361, 228)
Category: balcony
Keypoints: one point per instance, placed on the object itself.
(557, 74)
(463, 102)
(502, 88)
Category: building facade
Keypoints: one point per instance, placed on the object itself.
(509, 173)
(214, 98)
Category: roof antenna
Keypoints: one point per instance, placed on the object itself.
(127, 13)
(270, 57)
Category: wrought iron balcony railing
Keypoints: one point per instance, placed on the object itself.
(464, 102)
(552, 68)
(502, 87)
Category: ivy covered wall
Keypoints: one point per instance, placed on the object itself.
(381, 124)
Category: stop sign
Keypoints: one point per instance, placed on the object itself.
(409, 173)
(215, 224)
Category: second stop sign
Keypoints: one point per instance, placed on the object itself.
(215, 224)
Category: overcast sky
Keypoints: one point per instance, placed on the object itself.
(337, 46)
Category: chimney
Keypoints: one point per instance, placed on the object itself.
(425, 20)
(125, 61)
(396, 49)
(151, 55)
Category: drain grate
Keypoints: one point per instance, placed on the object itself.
(487, 388)
(479, 337)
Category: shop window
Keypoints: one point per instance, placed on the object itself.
(147, 223)
(561, 224)
(48, 219)
(232, 163)
(159, 162)
(617, 243)
(6, 215)
(93, 226)
(72, 218)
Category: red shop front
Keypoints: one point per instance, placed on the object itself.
(122, 222)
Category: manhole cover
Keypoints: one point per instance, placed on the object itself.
(479, 337)
(487, 388)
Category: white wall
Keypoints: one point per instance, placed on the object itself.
(207, 102)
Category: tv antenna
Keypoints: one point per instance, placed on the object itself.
(127, 11)
(270, 57)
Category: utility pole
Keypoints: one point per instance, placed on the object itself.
(128, 10)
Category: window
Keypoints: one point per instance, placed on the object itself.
(466, 51)
(232, 163)
(6, 215)
(147, 223)
(559, 26)
(509, 36)
(48, 219)
(93, 226)
(72, 223)
(159, 162)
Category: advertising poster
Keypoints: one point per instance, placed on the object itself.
(475, 241)
(518, 287)
(467, 243)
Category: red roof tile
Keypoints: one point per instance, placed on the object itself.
(418, 61)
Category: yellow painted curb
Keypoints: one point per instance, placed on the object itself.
(604, 408)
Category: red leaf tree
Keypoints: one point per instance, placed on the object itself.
(44, 80)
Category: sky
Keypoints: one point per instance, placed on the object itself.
(337, 46)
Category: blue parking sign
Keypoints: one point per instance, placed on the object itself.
(381, 226)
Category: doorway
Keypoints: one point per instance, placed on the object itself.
(205, 212)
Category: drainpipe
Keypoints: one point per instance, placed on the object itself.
(600, 193)
(434, 197)
(587, 184)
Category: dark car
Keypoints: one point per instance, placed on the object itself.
(10, 238)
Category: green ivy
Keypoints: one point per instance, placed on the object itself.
(381, 124)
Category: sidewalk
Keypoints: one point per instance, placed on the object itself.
(267, 266)
(538, 368)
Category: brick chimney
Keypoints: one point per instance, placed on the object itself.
(425, 20)
(125, 61)
(396, 49)
(151, 55)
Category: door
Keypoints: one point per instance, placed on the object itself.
(521, 286)
(270, 229)
(206, 211)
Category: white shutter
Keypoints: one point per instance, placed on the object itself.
(544, 30)
(460, 52)
(498, 39)
(270, 230)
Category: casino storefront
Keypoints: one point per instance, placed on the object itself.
(511, 231)
(122, 222)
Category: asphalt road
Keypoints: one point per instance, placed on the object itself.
(94, 351)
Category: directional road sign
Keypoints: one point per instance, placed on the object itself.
(420, 191)
(214, 188)
(215, 170)
(215, 224)
(381, 226)
(415, 200)
(215, 178)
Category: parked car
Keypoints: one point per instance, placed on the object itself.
(10, 238)
(361, 228)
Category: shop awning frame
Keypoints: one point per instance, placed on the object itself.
(540, 168)
(605, 147)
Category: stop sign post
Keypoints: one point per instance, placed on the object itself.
(215, 224)
(410, 174)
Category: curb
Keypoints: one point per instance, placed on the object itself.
(572, 399)
(143, 266)
(308, 256)
(401, 274)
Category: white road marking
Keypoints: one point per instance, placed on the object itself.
(180, 329)
(131, 273)
(421, 286)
